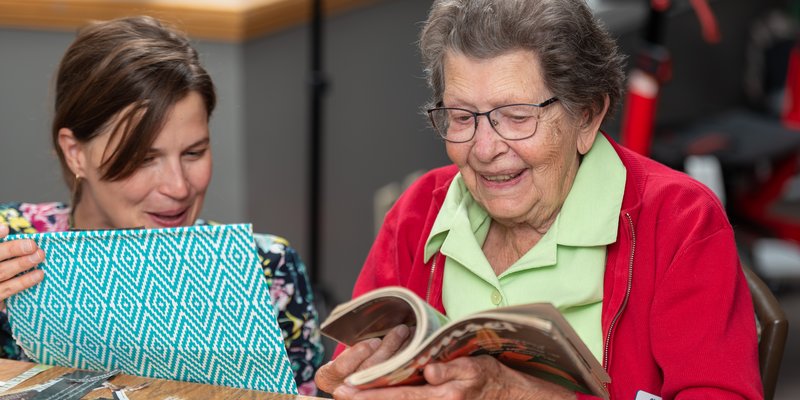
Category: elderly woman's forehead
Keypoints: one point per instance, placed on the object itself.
(520, 64)
(510, 78)
(487, 54)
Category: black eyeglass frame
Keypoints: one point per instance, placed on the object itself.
(476, 114)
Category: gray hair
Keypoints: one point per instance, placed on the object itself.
(580, 61)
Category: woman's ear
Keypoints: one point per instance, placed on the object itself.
(73, 150)
(589, 128)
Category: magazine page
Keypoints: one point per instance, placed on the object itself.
(525, 343)
(547, 311)
(377, 312)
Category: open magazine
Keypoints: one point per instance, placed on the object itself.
(531, 338)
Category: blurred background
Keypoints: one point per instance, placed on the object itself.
(319, 124)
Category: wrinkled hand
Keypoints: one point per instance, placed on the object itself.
(481, 377)
(360, 356)
(18, 256)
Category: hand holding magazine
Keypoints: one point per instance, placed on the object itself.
(532, 338)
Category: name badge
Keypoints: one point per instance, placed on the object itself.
(642, 395)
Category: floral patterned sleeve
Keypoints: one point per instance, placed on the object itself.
(293, 300)
(26, 218)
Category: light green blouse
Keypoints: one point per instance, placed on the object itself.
(565, 267)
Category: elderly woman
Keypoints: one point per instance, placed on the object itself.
(130, 128)
(540, 207)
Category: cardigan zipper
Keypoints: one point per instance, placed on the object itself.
(430, 280)
(627, 295)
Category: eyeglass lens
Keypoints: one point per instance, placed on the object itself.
(512, 122)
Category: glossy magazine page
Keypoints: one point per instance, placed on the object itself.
(531, 338)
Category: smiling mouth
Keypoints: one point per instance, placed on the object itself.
(502, 178)
(170, 218)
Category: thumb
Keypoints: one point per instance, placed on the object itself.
(462, 368)
(439, 373)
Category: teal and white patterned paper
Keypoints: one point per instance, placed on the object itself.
(188, 304)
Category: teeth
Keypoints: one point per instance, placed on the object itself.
(501, 178)
(168, 215)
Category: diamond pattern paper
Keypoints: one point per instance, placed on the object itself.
(188, 304)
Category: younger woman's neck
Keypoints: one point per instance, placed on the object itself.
(84, 218)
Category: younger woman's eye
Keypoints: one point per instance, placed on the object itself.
(196, 153)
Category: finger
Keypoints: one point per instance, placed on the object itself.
(462, 368)
(20, 283)
(3, 230)
(389, 346)
(11, 267)
(16, 248)
(332, 374)
(437, 374)
(344, 392)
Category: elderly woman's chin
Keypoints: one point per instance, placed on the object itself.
(506, 199)
(510, 209)
(513, 208)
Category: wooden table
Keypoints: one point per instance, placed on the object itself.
(158, 388)
(224, 20)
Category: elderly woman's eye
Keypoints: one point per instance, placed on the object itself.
(517, 115)
(460, 118)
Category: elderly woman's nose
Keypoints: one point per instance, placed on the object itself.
(484, 127)
(488, 143)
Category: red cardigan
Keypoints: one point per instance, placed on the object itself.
(677, 315)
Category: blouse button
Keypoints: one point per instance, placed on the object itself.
(496, 297)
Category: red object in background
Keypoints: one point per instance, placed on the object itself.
(640, 112)
(707, 21)
(791, 110)
(660, 5)
(755, 203)
(653, 69)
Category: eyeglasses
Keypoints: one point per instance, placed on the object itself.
(511, 121)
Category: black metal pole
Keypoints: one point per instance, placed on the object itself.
(654, 30)
(317, 84)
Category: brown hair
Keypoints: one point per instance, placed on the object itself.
(580, 61)
(129, 70)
